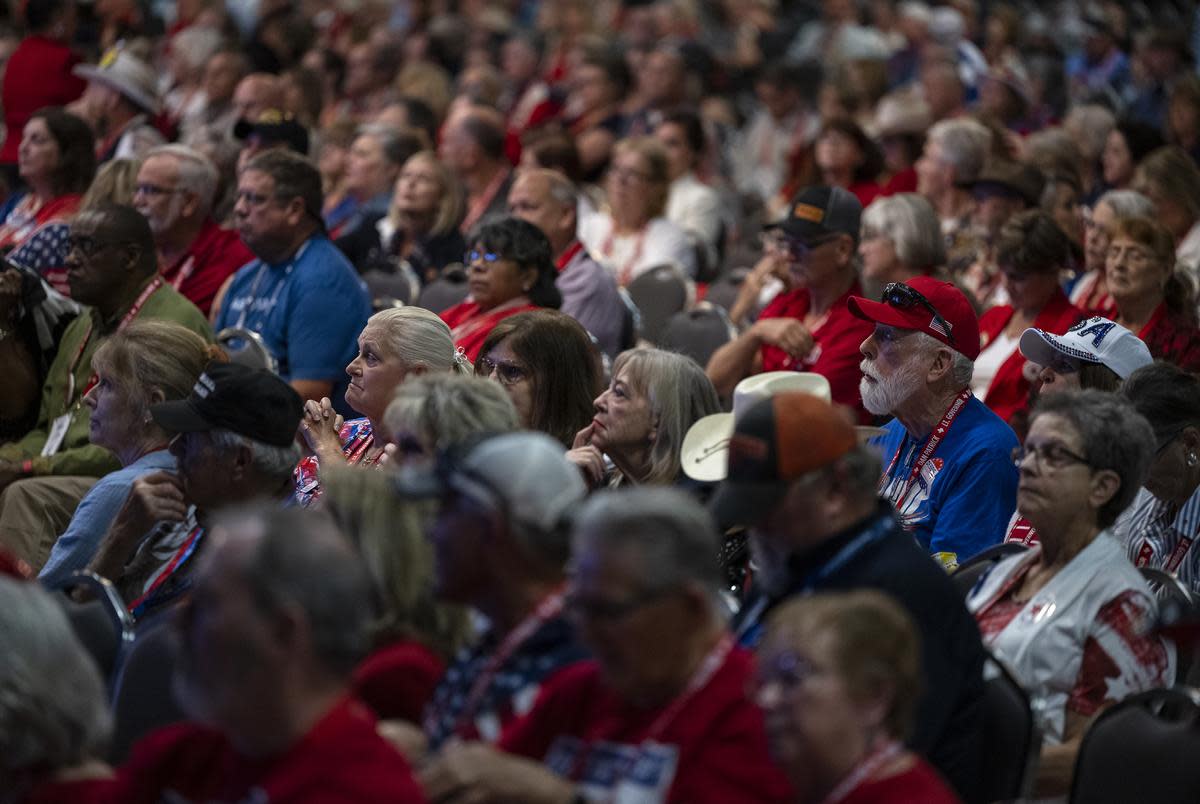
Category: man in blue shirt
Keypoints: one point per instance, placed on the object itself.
(948, 459)
(301, 295)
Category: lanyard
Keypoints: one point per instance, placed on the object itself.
(87, 336)
(483, 201)
(138, 606)
(185, 271)
(565, 258)
(935, 440)
(258, 278)
(1146, 553)
(864, 770)
(548, 609)
(625, 273)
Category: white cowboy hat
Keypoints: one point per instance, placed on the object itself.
(127, 74)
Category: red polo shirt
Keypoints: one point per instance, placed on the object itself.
(214, 256)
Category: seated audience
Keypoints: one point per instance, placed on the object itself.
(800, 479)
(278, 621)
(301, 295)
(1170, 179)
(692, 205)
(176, 190)
(269, 131)
(1090, 291)
(432, 413)
(54, 718)
(500, 546)
(396, 344)
(1163, 522)
(838, 679)
(548, 366)
(641, 419)
(113, 270)
(633, 236)
(1031, 253)
(900, 239)
(1095, 353)
(808, 328)
(146, 363)
(372, 167)
(1084, 457)
(472, 148)
(236, 443)
(120, 102)
(1128, 144)
(955, 150)
(847, 158)
(953, 488)
(596, 89)
(1003, 190)
(509, 270)
(1153, 299)
(663, 713)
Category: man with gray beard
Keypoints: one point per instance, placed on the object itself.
(948, 462)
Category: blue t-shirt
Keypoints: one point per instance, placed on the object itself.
(309, 311)
(98, 508)
(961, 502)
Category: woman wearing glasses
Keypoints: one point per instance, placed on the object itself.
(510, 270)
(1068, 617)
(548, 366)
(1152, 298)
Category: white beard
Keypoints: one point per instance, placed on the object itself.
(883, 396)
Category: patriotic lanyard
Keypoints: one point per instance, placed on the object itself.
(131, 314)
(864, 770)
(550, 607)
(1146, 552)
(935, 440)
(186, 550)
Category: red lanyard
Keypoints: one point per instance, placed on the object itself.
(1146, 552)
(864, 770)
(548, 609)
(625, 274)
(181, 555)
(184, 272)
(935, 440)
(568, 255)
(481, 203)
(87, 336)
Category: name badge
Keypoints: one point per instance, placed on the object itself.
(58, 432)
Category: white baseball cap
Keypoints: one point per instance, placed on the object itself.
(1094, 340)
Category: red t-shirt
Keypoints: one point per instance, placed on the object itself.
(341, 760)
(214, 256)
(38, 74)
(920, 784)
(835, 355)
(714, 750)
(397, 680)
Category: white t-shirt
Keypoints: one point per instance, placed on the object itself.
(990, 360)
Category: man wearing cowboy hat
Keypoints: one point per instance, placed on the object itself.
(120, 100)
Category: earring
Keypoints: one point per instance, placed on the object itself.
(1192, 460)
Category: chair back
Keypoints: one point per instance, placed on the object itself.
(659, 294)
(446, 291)
(1142, 749)
(698, 333)
(971, 570)
(1176, 606)
(142, 697)
(1012, 743)
(103, 624)
(391, 289)
(723, 291)
(248, 348)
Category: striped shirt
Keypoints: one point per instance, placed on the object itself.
(1160, 534)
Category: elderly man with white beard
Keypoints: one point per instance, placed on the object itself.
(949, 471)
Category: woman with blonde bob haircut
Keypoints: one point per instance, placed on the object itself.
(641, 419)
(901, 238)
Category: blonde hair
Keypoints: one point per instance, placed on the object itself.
(452, 206)
(418, 337)
(389, 534)
(443, 410)
(113, 184)
(426, 82)
(652, 153)
(679, 394)
(154, 355)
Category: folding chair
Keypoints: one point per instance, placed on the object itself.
(658, 293)
(698, 333)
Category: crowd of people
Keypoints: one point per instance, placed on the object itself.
(323, 364)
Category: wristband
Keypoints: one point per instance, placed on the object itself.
(27, 467)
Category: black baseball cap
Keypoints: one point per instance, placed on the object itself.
(274, 126)
(251, 402)
(818, 211)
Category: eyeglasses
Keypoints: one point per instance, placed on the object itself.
(1051, 455)
(89, 246)
(508, 373)
(475, 255)
(902, 296)
(153, 190)
(611, 610)
(252, 199)
(1137, 257)
(1166, 441)
(782, 674)
(795, 249)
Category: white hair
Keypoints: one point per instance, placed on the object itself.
(197, 173)
(910, 222)
(418, 337)
(1127, 204)
(965, 145)
(269, 460)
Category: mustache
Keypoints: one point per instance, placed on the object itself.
(868, 370)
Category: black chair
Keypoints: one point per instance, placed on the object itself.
(1142, 749)
(391, 289)
(1012, 742)
(659, 294)
(1177, 611)
(103, 624)
(631, 321)
(446, 291)
(698, 333)
(971, 570)
(142, 697)
(723, 292)
(248, 348)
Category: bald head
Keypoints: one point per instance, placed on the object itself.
(547, 199)
(256, 93)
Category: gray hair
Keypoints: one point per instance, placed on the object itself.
(962, 368)
(197, 173)
(301, 558)
(418, 337)
(1115, 437)
(1090, 124)
(398, 144)
(443, 410)
(965, 146)
(910, 222)
(53, 706)
(1127, 204)
(197, 44)
(272, 462)
(674, 540)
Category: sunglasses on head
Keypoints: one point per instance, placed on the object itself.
(902, 296)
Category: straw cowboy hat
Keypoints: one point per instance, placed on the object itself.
(126, 74)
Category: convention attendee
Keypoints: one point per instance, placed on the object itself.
(1095, 353)
(288, 294)
(548, 200)
(800, 479)
(1090, 291)
(472, 147)
(176, 189)
(809, 327)
(838, 677)
(397, 343)
(847, 158)
(1084, 457)
(955, 151)
(948, 472)
(1170, 179)
(900, 238)
(372, 166)
(1128, 144)
(277, 622)
(663, 713)
(597, 87)
(269, 130)
(433, 413)
(120, 103)
(549, 368)
(692, 205)
(112, 269)
(637, 432)
(255, 94)
(510, 270)
(1002, 191)
(146, 363)
(779, 133)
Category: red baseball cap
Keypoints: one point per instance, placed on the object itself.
(939, 309)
